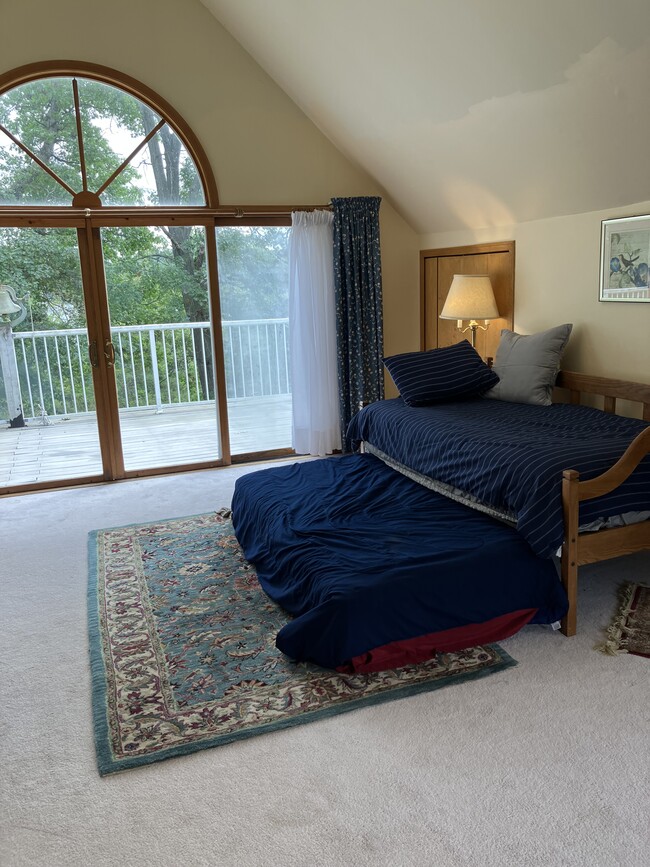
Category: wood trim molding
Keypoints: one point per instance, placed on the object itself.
(248, 215)
(471, 249)
(108, 413)
(219, 365)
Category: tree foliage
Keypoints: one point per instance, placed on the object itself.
(41, 115)
(153, 274)
(253, 272)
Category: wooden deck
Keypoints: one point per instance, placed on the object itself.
(69, 448)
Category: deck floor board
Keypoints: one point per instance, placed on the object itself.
(69, 448)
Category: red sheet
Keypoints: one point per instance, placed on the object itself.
(414, 650)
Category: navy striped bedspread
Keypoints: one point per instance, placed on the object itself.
(511, 456)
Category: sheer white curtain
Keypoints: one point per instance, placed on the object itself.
(312, 334)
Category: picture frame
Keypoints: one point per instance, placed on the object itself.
(625, 259)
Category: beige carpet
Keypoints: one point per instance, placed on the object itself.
(545, 764)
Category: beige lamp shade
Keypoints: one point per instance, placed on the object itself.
(470, 297)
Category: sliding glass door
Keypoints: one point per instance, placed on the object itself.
(254, 291)
(162, 345)
(46, 379)
(138, 391)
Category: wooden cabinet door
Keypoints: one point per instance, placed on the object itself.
(437, 271)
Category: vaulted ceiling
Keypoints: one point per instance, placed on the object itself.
(469, 113)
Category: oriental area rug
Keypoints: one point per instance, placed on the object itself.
(183, 656)
(629, 631)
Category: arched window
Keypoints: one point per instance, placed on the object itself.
(85, 139)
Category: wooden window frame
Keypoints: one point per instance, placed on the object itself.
(89, 220)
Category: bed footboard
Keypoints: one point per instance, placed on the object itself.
(591, 547)
(578, 550)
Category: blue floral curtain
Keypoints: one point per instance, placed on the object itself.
(357, 286)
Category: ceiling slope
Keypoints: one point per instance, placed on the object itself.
(469, 113)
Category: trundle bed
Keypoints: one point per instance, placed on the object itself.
(379, 569)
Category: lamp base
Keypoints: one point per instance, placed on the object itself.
(473, 327)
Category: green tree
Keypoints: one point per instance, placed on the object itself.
(41, 115)
(253, 272)
(43, 264)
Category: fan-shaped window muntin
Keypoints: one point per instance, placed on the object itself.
(74, 140)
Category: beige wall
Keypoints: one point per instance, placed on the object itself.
(556, 281)
(262, 148)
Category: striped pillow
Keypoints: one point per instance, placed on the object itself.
(440, 374)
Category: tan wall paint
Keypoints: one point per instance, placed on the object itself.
(262, 148)
(556, 281)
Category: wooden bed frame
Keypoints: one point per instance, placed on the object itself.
(579, 549)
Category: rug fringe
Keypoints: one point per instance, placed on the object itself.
(617, 632)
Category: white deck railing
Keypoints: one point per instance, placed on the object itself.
(156, 366)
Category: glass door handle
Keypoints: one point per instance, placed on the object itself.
(109, 353)
(93, 354)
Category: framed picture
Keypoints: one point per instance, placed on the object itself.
(624, 259)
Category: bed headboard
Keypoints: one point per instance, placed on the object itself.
(609, 389)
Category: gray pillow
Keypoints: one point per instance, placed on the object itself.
(527, 365)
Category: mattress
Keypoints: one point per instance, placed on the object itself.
(367, 562)
(508, 458)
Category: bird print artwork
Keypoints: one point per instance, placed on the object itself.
(629, 254)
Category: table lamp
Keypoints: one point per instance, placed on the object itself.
(470, 297)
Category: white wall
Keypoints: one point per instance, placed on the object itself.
(556, 281)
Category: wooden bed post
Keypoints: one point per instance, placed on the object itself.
(570, 481)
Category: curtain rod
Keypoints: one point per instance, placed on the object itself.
(239, 211)
(236, 211)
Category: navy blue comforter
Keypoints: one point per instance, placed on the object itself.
(362, 556)
(511, 456)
